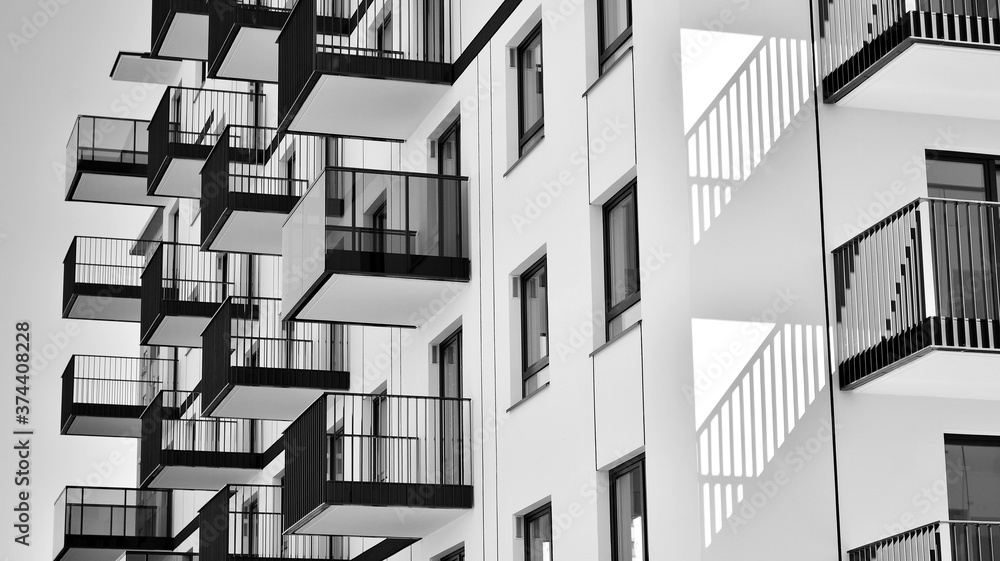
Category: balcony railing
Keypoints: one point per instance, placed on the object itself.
(188, 122)
(856, 40)
(103, 268)
(157, 556)
(226, 16)
(364, 449)
(163, 14)
(247, 343)
(106, 145)
(88, 517)
(924, 277)
(112, 386)
(399, 39)
(255, 512)
(940, 541)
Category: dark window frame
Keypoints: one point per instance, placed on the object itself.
(609, 52)
(530, 370)
(526, 137)
(990, 163)
(531, 517)
(458, 555)
(612, 312)
(628, 467)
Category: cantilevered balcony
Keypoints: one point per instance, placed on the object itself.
(102, 278)
(378, 466)
(106, 162)
(144, 68)
(918, 302)
(185, 127)
(243, 37)
(251, 358)
(183, 287)
(939, 541)
(106, 395)
(923, 56)
(250, 182)
(369, 69)
(157, 556)
(376, 247)
(101, 524)
(180, 29)
(179, 450)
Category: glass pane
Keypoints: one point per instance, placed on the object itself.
(956, 180)
(629, 514)
(614, 20)
(536, 323)
(973, 482)
(531, 82)
(623, 251)
(540, 538)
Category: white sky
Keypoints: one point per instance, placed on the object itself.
(61, 72)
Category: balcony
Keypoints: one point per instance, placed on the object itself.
(180, 29)
(157, 556)
(102, 277)
(378, 466)
(183, 287)
(100, 523)
(249, 184)
(185, 127)
(106, 395)
(376, 247)
(181, 451)
(106, 161)
(918, 302)
(922, 56)
(371, 70)
(243, 37)
(940, 541)
(144, 68)
(250, 358)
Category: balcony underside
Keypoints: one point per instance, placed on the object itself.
(375, 300)
(930, 77)
(103, 302)
(99, 182)
(364, 107)
(86, 419)
(180, 173)
(250, 53)
(941, 372)
(179, 324)
(386, 510)
(184, 36)
(189, 470)
(252, 224)
(108, 548)
(277, 394)
(145, 68)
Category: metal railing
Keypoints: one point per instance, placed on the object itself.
(162, 11)
(106, 140)
(939, 541)
(111, 512)
(108, 380)
(927, 275)
(224, 15)
(252, 513)
(106, 262)
(157, 556)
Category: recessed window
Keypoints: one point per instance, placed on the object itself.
(973, 468)
(456, 556)
(534, 327)
(621, 261)
(538, 535)
(450, 384)
(628, 512)
(967, 177)
(615, 30)
(529, 87)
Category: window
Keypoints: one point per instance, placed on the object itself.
(534, 327)
(967, 177)
(621, 262)
(628, 512)
(456, 556)
(450, 387)
(449, 160)
(538, 535)
(290, 173)
(973, 469)
(529, 88)
(614, 30)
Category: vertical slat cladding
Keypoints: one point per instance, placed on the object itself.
(67, 391)
(214, 527)
(69, 276)
(215, 186)
(305, 463)
(159, 138)
(221, 18)
(216, 349)
(151, 439)
(296, 55)
(151, 291)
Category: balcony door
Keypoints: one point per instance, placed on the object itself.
(380, 437)
(434, 31)
(450, 364)
(449, 194)
(972, 465)
(380, 225)
(251, 527)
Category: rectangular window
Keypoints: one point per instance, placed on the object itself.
(967, 177)
(538, 535)
(614, 29)
(534, 327)
(973, 468)
(628, 512)
(529, 87)
(621, 261)
(456, 556)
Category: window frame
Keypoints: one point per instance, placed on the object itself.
(536, 130)
(530, 370)
(457, 555)
(990, 163)
(613, 312)
(625, 468)
(607, 53)
(530, 517)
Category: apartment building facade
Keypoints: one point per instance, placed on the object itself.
(718, 280)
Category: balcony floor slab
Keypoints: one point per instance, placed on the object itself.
(942, 373)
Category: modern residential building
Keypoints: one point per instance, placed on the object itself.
(552, 279)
